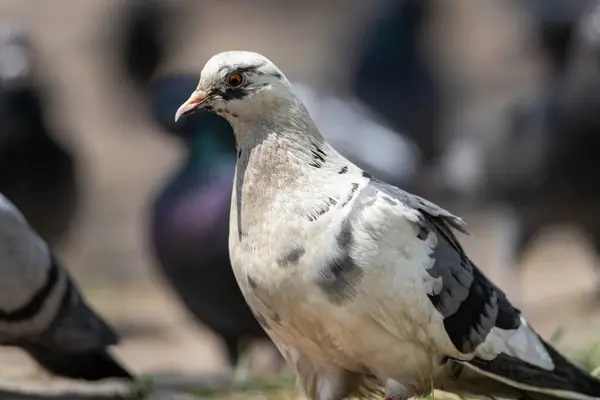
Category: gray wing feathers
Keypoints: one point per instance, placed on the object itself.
(456, 275)
(421, 204)
(470, 304)
(450, 261)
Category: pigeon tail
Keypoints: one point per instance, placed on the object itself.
(90, 366)
(74, 345)
(565, 381)
(77, 328)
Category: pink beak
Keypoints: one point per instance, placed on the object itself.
(193, 104)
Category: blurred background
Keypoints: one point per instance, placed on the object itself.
(488, 107)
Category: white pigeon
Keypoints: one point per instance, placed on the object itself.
(361, 285)
(42, 311)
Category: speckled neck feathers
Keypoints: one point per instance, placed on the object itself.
(283, 152)
(283, 145)
(283, 155)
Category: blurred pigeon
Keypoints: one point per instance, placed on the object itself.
(361, 284)
(36, 172)
(545, 170)
(142, 39)
(361, 136)
(556, 22)
(42, 311)
(190, 220)
(394, 77)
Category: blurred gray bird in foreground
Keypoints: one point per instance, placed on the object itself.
(361, 284)
(41, 310)
(37, 173)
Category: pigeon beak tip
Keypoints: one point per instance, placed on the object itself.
(194, 104)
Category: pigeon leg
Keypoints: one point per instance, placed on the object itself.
(233, 350)
(240, 360)
(242, 369)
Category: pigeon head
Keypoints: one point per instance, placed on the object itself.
(239, 85)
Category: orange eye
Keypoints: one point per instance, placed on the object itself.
(235, 80)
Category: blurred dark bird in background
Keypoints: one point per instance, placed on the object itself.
(189, 217)
(42, 311)
(556, 23)
(143, 23)
(547, 171)
(396, 80)
(189, 227)
(360, 136)
(37, 173)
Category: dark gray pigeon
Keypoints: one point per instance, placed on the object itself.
(394, 77)
(189, 222)
(547, 170)
(42, 311)
(555, 23)
(37, 172)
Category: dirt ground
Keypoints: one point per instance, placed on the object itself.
(123, 159)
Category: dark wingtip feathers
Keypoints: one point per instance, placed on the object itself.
(458, 224)
(566, 376)
(420, 204)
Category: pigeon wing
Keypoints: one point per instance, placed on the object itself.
(459, 313)
(464, 315)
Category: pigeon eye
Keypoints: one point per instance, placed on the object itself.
(235, 80)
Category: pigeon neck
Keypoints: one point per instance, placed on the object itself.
(290, 123)
(287, 149)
